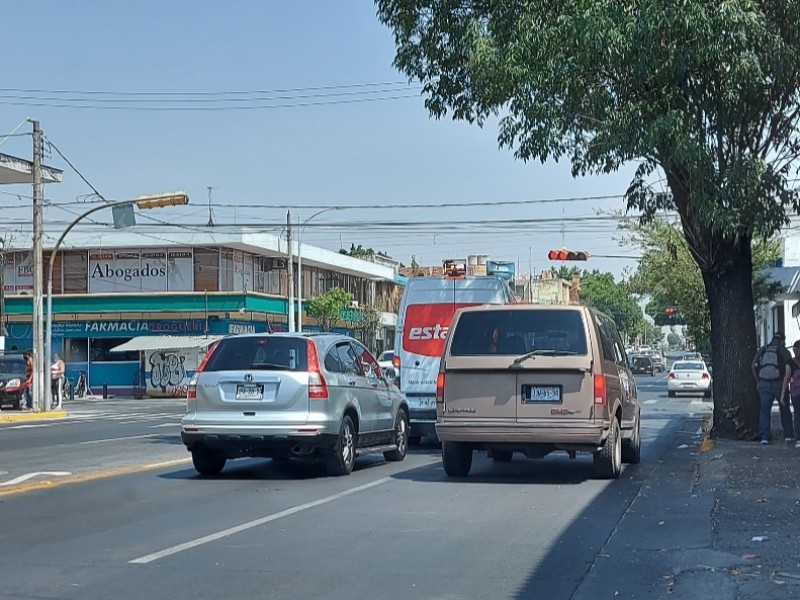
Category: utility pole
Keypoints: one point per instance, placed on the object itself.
(2, 295)
(39, 359)
(290, 269)
(210, 213)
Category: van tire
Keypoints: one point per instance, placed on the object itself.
(207, 461)
(456, 458)
(608, 460)
(342, 457)
(501, 455)
(401, 428)
(632, 448)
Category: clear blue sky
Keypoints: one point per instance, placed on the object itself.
(321, 149)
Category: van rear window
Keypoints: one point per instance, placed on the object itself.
(264, 353)
(517, 332)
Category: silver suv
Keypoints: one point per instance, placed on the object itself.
(292, 395)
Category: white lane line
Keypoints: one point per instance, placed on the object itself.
(148, 558)
(649, 401)
(27, 476)
(176, 425)
(117, 439)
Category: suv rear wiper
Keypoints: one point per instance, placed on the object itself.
(268, 365)
(541, 352)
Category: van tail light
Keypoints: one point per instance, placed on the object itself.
(191, 392)
(600, 389)
(440, 388)
(317, 386)
(396, 365)
(705, 376)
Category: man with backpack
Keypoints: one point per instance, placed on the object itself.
(772, 368)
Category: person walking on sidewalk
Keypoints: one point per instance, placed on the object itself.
(790, 411)
(28, 388)
(772, 371)
(57, 381)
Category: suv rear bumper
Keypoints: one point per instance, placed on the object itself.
(560, 434)
(254, 444)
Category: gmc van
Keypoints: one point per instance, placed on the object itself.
(426, 308)
(535, 379)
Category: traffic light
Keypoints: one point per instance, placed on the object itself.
(568, 255)
(669, 311)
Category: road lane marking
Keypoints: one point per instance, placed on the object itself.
(27, 476)
(176, 425)
(118, 439)
(93, 476)
(649, 401)
(148, 558)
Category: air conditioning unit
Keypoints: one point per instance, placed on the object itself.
(354, 304)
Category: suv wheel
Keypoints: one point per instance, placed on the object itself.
(343, 455)
(632, 448)
(400, 438)
(608, 460)
(456, 458)
(207, 461)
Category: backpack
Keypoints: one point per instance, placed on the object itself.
(771, 364)
(794, 382)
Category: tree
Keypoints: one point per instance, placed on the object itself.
(327, 308)
(602, 292)
(703, 92)
(365, 322)
(674, 341)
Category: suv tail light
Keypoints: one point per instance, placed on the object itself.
(440, 388)
(191, 392)
(396, 365)
(600, 389)
(317, 386)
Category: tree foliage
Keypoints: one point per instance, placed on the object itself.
(365, 322)
(601, 291)
(701, 92)
(327, 308)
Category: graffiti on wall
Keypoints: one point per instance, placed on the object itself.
(168, 371)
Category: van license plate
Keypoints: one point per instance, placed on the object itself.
(250, 392)
(541, 393)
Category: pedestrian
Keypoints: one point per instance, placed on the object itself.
(28, 386)
(794, 398)
(772, 369)
(57, 381)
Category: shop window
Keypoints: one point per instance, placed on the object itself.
(100, 351)
(76, 350)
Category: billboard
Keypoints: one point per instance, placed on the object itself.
(152, 270)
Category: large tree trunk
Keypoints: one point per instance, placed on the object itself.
(729, 285)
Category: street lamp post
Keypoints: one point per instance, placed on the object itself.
(143, 202)
(300, 264)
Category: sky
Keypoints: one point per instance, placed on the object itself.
(276, 104)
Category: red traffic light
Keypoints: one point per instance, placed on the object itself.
(568, 255)
(669, 311)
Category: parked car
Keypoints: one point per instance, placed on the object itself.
(292, 395)
(689, 376)
(535, 379)
(12, 378)
(385, 361)
(692, 356)
(641, 364)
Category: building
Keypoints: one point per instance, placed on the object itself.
(116, 294)
(782, 310)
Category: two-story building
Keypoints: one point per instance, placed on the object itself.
(131, 304)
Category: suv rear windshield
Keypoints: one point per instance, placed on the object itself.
(516, 332)
(266, 353)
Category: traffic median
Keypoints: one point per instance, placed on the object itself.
(10, 416)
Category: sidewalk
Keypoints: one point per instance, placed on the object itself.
(756, 513)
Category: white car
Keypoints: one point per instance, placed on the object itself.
(689, 377)
(385, 363)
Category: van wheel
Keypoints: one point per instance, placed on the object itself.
(400, 438)
(207, 461)
(342, 457)
(608, 460)
(632, 448)
(501, 455)
(456, 458)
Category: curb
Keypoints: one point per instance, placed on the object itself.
(33, 416)
(708, 442)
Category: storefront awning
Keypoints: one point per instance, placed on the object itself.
(145, 343)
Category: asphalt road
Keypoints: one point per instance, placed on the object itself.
(125, 529)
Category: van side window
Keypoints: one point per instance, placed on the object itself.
(606, 338)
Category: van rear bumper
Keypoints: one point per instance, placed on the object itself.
(560, 434)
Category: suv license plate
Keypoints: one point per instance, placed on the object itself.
(250, 392)
(541, 393)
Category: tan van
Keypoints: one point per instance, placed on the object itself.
(534, 379)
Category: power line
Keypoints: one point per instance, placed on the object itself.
(74, 168)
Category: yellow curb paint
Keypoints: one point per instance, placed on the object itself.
(93, 476)
(33, 416)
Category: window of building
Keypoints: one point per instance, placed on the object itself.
(76, 350)
(100, 351)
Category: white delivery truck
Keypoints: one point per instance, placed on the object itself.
(427, 306)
